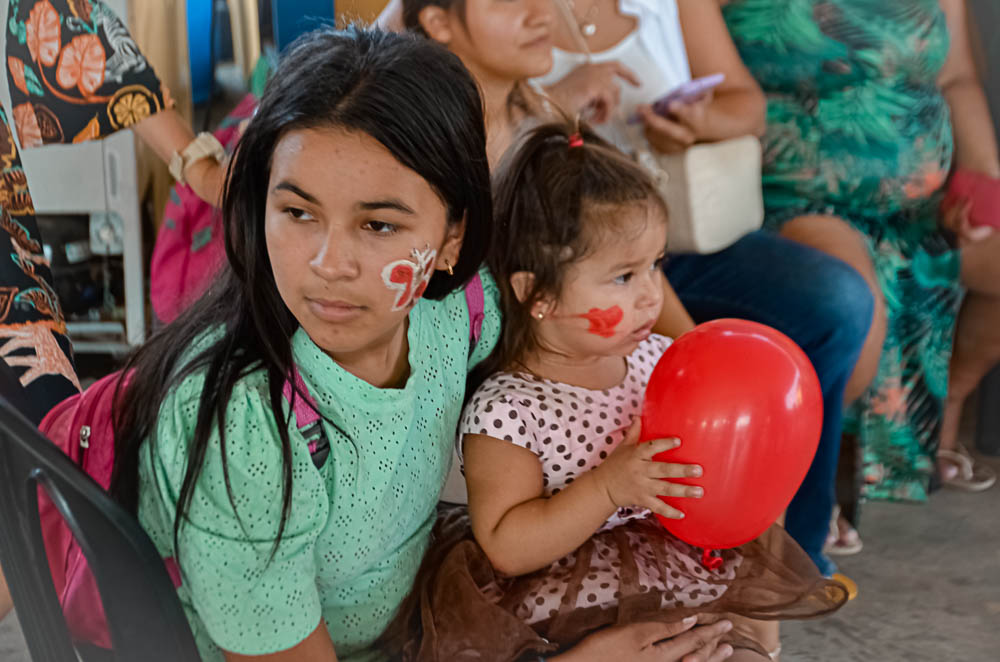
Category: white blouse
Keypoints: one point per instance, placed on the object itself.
(655, 51)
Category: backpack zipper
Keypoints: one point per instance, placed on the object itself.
(84, 436)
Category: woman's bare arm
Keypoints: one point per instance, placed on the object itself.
(166, 132)
(975, 140)
(738, 106)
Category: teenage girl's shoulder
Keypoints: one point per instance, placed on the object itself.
(247, 410)
(468, 317)
(253, 467)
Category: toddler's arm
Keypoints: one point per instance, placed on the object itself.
(522, 531)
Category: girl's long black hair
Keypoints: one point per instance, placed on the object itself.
(421, 104)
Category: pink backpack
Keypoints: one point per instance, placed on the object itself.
(81, 426)
(189, 248)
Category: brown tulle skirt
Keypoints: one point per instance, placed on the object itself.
(462, 609)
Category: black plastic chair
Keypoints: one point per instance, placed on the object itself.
(988, 425)
(145, 619)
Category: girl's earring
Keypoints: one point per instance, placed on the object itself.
(451, 271)
(540, 316)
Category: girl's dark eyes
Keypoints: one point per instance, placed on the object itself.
(624, 278)
(378, 227)
(299, 214)
(381, 227)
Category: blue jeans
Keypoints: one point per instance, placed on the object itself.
(822, 304)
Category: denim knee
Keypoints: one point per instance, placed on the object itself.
(844, 310)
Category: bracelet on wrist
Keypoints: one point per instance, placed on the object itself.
(205, 145)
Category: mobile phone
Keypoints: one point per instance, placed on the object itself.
(687, 92)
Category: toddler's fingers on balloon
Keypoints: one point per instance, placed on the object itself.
(664, 510)
(669, 470)
(670, 489)
(657, 446)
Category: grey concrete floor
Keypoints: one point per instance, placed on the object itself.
(928, 583)
(929, 589)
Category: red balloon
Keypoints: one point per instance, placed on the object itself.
(746, 404)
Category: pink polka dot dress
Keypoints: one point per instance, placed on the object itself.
(572, 430)
(630, 570)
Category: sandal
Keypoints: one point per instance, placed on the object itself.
(849, 584)
(970, 476)
(842, 543)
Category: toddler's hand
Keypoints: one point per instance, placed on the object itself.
(630, 477)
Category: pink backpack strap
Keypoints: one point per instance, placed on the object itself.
(174, 571)
(307, 419)
(303, 407)
(475, 298)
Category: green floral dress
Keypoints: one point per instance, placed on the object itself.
(857, 128)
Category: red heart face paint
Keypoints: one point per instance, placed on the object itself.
(409, 278)
(603, 322)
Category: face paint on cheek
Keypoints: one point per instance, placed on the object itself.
(603, 322)
(425, 259)
(398, 277)
(409, 278)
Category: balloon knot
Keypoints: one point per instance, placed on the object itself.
(711, 559)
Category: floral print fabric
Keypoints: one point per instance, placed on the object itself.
(74, 74)
(858, 129)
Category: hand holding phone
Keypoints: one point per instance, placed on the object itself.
(688, 92)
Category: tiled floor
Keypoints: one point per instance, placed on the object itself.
(929, 589)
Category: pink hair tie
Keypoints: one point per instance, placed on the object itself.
(575, 140)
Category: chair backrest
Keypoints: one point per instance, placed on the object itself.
(145, 618)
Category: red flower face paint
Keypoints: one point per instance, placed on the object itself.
(603, 322)
(409, 278)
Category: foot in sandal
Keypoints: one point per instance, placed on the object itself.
(959, 470)
(843, 539)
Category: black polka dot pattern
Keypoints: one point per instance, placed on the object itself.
(570, 429)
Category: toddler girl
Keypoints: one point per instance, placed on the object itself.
(560, 491)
